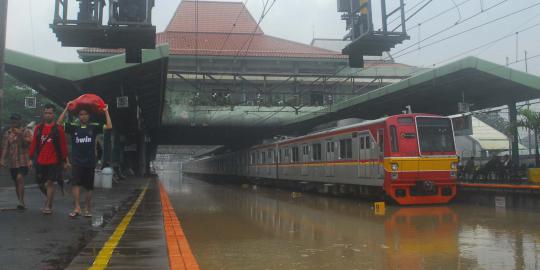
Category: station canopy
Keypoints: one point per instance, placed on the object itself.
(439, 91)
(143, 84)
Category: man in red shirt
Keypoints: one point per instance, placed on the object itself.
(50, 151)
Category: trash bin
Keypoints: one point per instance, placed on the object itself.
(106, 177)
(97, 178)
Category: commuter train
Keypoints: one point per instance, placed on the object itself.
(410, 158)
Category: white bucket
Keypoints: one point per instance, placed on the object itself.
(97, 179)
(106, 177)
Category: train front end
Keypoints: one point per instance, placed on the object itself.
(421, 162)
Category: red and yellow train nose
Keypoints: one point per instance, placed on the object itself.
(420, 180)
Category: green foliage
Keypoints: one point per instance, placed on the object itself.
(15, 93)
(529, 120)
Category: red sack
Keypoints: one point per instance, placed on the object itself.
(89, 102)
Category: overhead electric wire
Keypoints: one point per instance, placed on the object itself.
(234, 25)
(266, 10)
(438, 15)
(492, 42)
(465, 31)
(409, 10)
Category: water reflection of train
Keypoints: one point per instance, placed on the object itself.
(407, 238)
(409, 158)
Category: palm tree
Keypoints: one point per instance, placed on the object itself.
(531, 120)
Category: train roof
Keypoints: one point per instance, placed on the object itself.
(332, 130)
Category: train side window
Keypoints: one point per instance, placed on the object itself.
(270, 156)
(393, 139)
(252, 159)
(295, 154)
(263, 157)
(368, 142)
(330, 147)
(317, 152)
(345, 149)
(362, 143)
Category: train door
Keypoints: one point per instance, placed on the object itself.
(305, 159)
(380, 153)
(368, 156)
(285, 162)
(258, 163)
(271, 161)
(330, 158)
(361, 156)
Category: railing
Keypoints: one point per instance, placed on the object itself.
(91, 12)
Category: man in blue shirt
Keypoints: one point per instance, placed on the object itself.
(83, 155)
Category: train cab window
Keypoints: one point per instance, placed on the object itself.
(317, 152)
(270, 156)
(394, 139)
(252, 159)
(345, 149)
(368, 142)
(295, 154)
(263, 157)
(362, 143)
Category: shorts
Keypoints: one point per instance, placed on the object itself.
(83, 177)
(46, 173)
(16, 171)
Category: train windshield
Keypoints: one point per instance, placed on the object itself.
(435, 135)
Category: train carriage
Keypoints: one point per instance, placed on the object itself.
(411, 158)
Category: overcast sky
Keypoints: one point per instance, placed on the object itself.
(299, 20)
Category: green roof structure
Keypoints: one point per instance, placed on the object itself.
(143, 84)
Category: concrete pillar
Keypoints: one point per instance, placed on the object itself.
(512, 115)
(117, 148)
(141, 151)
(107, 147)
(3, 23)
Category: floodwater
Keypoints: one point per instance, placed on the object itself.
(242, 227)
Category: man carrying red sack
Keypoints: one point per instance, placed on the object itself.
(50, 149)
(83, 152)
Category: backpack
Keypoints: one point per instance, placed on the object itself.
(53, 135)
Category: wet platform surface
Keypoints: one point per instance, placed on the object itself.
(30, 240)
(140, 246)
(234, 227)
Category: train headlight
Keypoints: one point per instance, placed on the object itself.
(394, 166)
(454, 165)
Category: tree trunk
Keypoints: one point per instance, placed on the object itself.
(536, 154)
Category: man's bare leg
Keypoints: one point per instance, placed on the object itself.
(50, 194)
(20, 189)
(76, 191)
(88, 202)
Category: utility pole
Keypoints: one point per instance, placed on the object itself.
(526, 64)
(3, 23)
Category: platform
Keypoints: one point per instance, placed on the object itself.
(137, 232)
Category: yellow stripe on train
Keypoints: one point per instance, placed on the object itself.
(420, 163)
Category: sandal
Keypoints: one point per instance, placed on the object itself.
(46, 211)
(87, 214)
(74, 214)
(21, 207)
